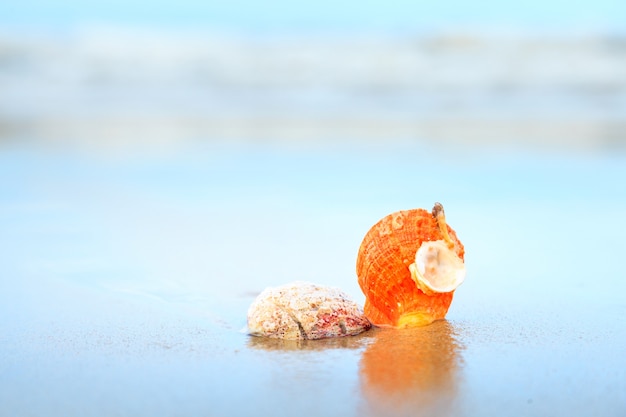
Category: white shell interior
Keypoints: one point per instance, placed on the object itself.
(437, 268)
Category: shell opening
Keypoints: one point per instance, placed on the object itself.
(437, 268)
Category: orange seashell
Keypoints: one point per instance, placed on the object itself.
(392, 296)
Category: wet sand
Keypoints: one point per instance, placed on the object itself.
(125, 281)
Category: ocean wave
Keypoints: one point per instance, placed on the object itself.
(315, 83)
(368, 62)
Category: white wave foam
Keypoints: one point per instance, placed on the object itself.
(224, 83)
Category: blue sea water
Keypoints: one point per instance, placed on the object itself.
(282, 15)
(489, 72)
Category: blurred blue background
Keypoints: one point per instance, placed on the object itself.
(280, 15)
(528, 73)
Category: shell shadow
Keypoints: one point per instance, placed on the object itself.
(411, 370)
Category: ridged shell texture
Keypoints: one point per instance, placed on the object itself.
(392, 298)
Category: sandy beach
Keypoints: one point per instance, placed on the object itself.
(126, 280)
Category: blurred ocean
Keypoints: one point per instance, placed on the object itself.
(549, 74)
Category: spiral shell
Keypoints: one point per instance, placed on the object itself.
(392, 296)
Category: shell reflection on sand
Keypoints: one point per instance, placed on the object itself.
(274, 344)
(409, 371)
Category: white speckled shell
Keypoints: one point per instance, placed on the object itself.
(302, 310)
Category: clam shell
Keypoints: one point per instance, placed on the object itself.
(302, 310)
(392, 299)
